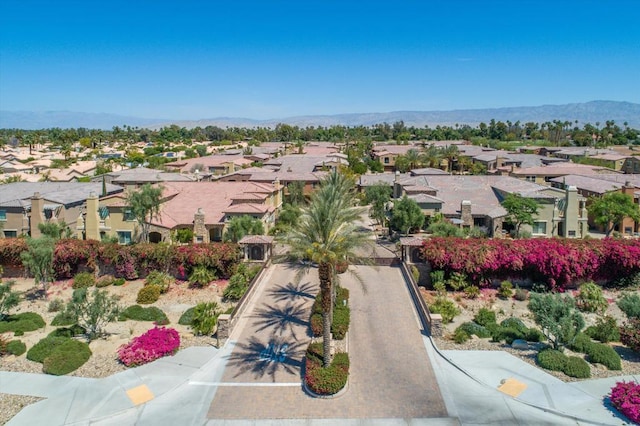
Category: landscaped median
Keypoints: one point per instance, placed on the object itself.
(328, 381)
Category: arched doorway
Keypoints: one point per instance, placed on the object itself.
(155, 237)
(256, 252)
(416, 255)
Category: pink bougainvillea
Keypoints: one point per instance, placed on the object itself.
(625, 396)
(556, 261)
(154, 344)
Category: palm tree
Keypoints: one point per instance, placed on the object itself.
(326, 233)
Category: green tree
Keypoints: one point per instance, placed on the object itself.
(38, 259)
(9, 299)
(243, 225)
(55, 230)
(611, 208)
(327, 234)
(93, 311)
(295, 194)
(520, 210)
(406, 215)
(557, 317)
(145, 207)
(377, 196)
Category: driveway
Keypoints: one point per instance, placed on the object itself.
(391, 375)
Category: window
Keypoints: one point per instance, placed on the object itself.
(539, 228)
(572, 233)
(530, 178)
(3, 215)
(128, 215)
(124, 237)
(10, 234)
(628, 230)
(104, 212)
(386, 160)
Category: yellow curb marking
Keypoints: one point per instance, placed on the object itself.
(512, 387)
(140, 395)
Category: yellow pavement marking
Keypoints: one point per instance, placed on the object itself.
(512, 387)
(140, 395)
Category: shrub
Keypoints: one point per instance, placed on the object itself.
(341, 315)
(515, 323)
(605, 330)
(205, 318)
(74, 330)
(22, 323)
(84, 280)
(460, 336)
(485, 317)
(590, 298)
(187, 317)
(415, 273)
(340, 325)
(445, 307)
(505, 290)
(106, 281)
(581, 343)
(534, 335)
(148, 294)
(436, 277)
(160, 279)
(139, 313)
(67, 357)
(471, 328)
(551, 359)
(45, 347)
(237, 287)
(93, 310)
(325, 381)
(625, 396)
(63, 318)
(8, 299)
(457, 281)
(16, 347)
(520, 294)
(557, 318)
(630, 334)
(201, 276)
(508, 334)
(472, 291)
(153, 344)
(605, 355)
(629, 303)
(576, 367)
(56, 305)
(119, 281)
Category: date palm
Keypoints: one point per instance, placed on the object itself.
(325, 234)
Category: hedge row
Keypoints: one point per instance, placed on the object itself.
(130, 262)
(557, 262)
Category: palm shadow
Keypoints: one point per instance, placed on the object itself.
(281, 319)
(293, 291)
(266, 359)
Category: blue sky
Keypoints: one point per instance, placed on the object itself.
(273, 59)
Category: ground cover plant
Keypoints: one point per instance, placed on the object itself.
(341, 315)
(22, 323)
(155, 343)
(625, 396)
(139, 313)
(329, 380)
(59, 355)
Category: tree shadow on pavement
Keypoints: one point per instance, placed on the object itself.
(281, 319)
(266, 359)
(293, 291)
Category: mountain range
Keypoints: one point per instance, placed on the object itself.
(587, 112)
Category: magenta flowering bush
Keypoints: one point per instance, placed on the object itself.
(625, 396)
(154, 344)
(555, 261)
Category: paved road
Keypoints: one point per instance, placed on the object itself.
(391, 375)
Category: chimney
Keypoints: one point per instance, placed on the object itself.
(571, 213)
(465, 213)
(200, 233)
(628, 189)
(37, 214)
(92, 218)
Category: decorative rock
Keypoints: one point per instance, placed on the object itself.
(520, 344)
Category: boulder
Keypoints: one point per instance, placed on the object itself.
(520, 344)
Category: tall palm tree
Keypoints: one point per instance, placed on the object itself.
(327, 233)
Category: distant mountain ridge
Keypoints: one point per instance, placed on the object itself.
(587, 112)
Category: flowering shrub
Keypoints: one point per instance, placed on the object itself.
(154, 344)
(325, 381)
(558, 262)
(625, 396)
(129, 262)
(630, 334)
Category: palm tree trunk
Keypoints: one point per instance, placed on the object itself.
(324, 274)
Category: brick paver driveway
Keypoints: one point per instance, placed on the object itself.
(391, 376)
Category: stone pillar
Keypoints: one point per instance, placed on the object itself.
(465, 213)
(436, 325)
(571, 213)
(200, 232)
(92, 218)
(224, 328)
(37, 214)
(627, 222)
